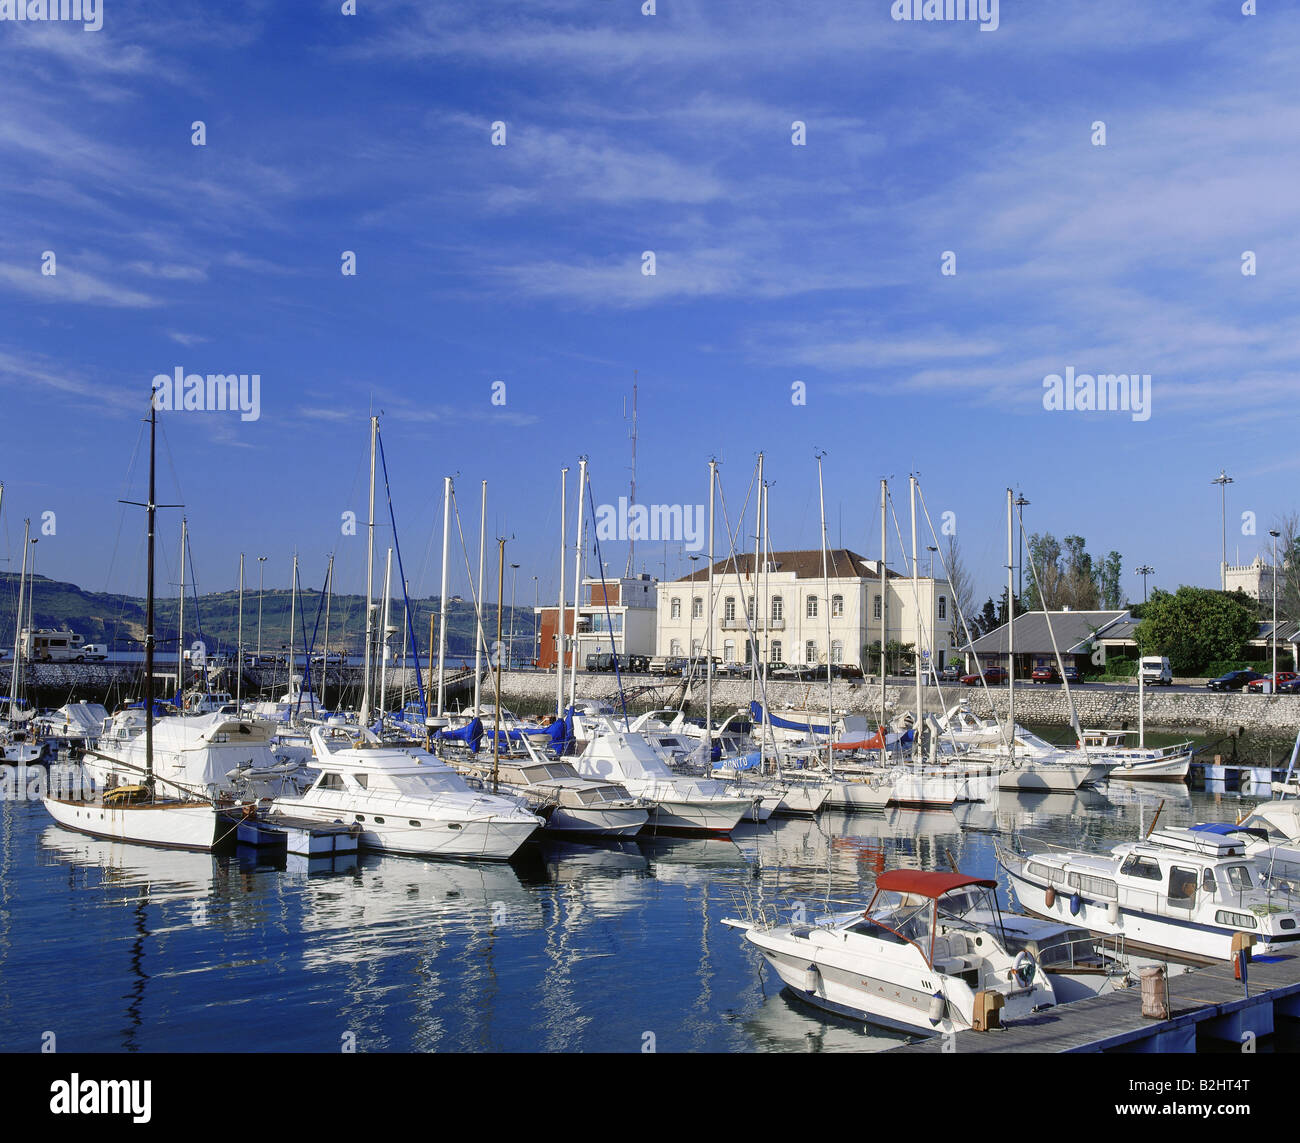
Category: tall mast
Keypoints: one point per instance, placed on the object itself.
(767, 613)
(631, 500)
(18, 629)
(151, 511)
(577, 578)
(884, 608)
(239, 639)
(370, 579)
(295, 691)
(496, 716)
(826, 587)
(760, 615)
(559, 615)
(478, 606)
(708, 673)
(329, 598)
(442, 600)
(916, 650)
(1011, 634)
(180, 621)
(383, 635)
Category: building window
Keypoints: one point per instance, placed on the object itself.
(729, 651)
(675, 648)
(749, 608)
(943, 607)
(697, 607)
(837, 651)
(675, 608)
(875, 607)
(778, 609)
(774, 654)
(810, 651)
(837, 605)
(811, 610)
(697, 646)
(729, 609)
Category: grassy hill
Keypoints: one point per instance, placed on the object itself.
(119, 620)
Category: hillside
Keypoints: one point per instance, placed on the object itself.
(118, 620)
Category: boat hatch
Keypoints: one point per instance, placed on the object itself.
(1199, 841)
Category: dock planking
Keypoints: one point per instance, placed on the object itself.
(1114, 1022)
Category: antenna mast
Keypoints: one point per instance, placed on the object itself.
(631, 500)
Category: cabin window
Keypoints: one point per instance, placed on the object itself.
(1236, 920)
(1182, 887)
(1143, 867)
(379, 821)
(412, 821)
(1207, 881)
(1097, 886)
(1239, 878)
(1044, 871)
(362, 780)
(330, 782)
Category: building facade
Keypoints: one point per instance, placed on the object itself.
(791, 612)
(614, 616)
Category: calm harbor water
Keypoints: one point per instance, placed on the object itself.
(122, 948)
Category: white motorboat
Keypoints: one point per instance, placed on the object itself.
(1181, 893)
(405, 800)
(1138, 763)
(681, 802)
(915, 960)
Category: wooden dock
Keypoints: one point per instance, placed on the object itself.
(1208, 1009)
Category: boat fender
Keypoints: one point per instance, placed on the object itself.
(1076, 903)
(938, 1005)
(811, 978)
(1112, 912)
(1049, 898)
(1024, 969)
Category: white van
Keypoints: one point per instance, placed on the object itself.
(1155, 670)
(95, 652)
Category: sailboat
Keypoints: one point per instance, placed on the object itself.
(155, 811)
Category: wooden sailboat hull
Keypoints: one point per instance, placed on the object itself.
(175, 825)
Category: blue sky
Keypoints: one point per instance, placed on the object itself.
(522, 263)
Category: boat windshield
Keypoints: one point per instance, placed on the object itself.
(901, 915)
(427, 785)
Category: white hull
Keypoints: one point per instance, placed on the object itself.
(720, 815)
(484, 839)
(177, 826)
(607, 823)
(1050, 777)
(1155, 769)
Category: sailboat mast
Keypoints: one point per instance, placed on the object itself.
(151, 511)
(1011, 633)
(442, 599)
(708, 674)
(760, 614)
(18, 628)
(329, 598)
(370, 578)
(180, 621)
(496, 716)
(295, 690)
(826, 588)
(383, 635)
(478, 606)
(767, 611)
(916, 650)
(884, 608)
(559, 615)
(239, 639)
(577, 579)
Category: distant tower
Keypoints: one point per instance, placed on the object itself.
(631, 500)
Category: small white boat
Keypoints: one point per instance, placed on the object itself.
(915, 960)
(1138, 763)
(1182, 893)
(129, 814)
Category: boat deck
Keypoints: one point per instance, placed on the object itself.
(1205, 1005)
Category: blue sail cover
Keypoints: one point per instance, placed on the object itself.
(561, 733)
(756, 711)
(740, 762)
(471, 734)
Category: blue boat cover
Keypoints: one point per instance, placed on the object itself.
(740, 762)
(756, 711)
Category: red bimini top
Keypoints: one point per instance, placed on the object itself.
(928, 884)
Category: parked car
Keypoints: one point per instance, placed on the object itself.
(1233, 680)
(1045, 675)
(780, 670)
(1155, 671)
(951, 671)
(1257, 687)
(638, 664)
(1071, 673)
(992, 676)
(94, 652)
(1290, 687)
(600, 661)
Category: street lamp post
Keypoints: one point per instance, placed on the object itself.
(1144, 571)
(261, 568)
(1223, 480)
(1274, 533)
(1021, 505)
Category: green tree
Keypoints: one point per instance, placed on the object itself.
(1194, 626)
(1109, 580)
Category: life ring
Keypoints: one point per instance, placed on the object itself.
(1024, 968)
(1049, 899)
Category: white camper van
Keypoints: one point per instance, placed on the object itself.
(1155, 671)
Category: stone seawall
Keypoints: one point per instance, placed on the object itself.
(1107, 706)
